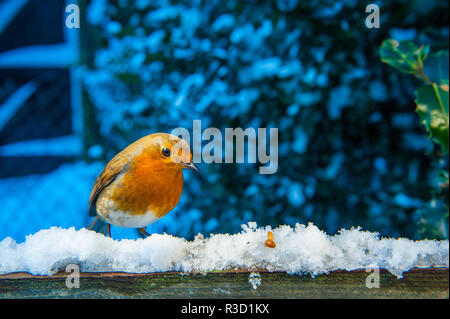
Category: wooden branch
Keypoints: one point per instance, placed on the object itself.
(417, 283)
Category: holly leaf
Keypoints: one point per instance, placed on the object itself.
(432, 107)
(436, 68)
(404, 56)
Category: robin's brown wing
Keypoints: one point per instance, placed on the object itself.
(117, 165)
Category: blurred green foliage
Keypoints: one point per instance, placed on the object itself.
(431, 98)
(432, 101)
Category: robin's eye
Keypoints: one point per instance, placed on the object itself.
(166, 152)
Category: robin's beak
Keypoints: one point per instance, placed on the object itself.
(191, 166)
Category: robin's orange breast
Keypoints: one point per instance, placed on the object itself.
(145, 192)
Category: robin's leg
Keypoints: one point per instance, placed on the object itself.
(143, 232)
(100, 226)
(93, 223)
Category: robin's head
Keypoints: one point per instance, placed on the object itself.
(171, 151)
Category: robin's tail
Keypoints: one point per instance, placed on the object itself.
(100, 226)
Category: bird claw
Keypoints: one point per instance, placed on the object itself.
(143, 232)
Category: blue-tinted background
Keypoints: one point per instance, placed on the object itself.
(351, 151)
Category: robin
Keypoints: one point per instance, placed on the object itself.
(140, 184)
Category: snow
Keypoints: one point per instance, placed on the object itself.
(340, 97)
(14, 102)
(378, 91)
(403, 34)
(96, 11)
(59, 55)
(300, 141)
(69, 145)
(287, 5)
(163, 14)
(254, 279)
(405, 201)
(335, 165)
(295, 194)
(223, 22)
(299, 250)
(8, 11)
(114, 27)
(58, 198)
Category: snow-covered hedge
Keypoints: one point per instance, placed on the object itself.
(350, 146)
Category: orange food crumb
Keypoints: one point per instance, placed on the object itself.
(269, 242)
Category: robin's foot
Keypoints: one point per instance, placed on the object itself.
(143, 233)
(93, 223)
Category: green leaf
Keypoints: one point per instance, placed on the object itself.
(433, 222)
(432, 107)
(436, 67)
(404, 56)
(443, 176)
